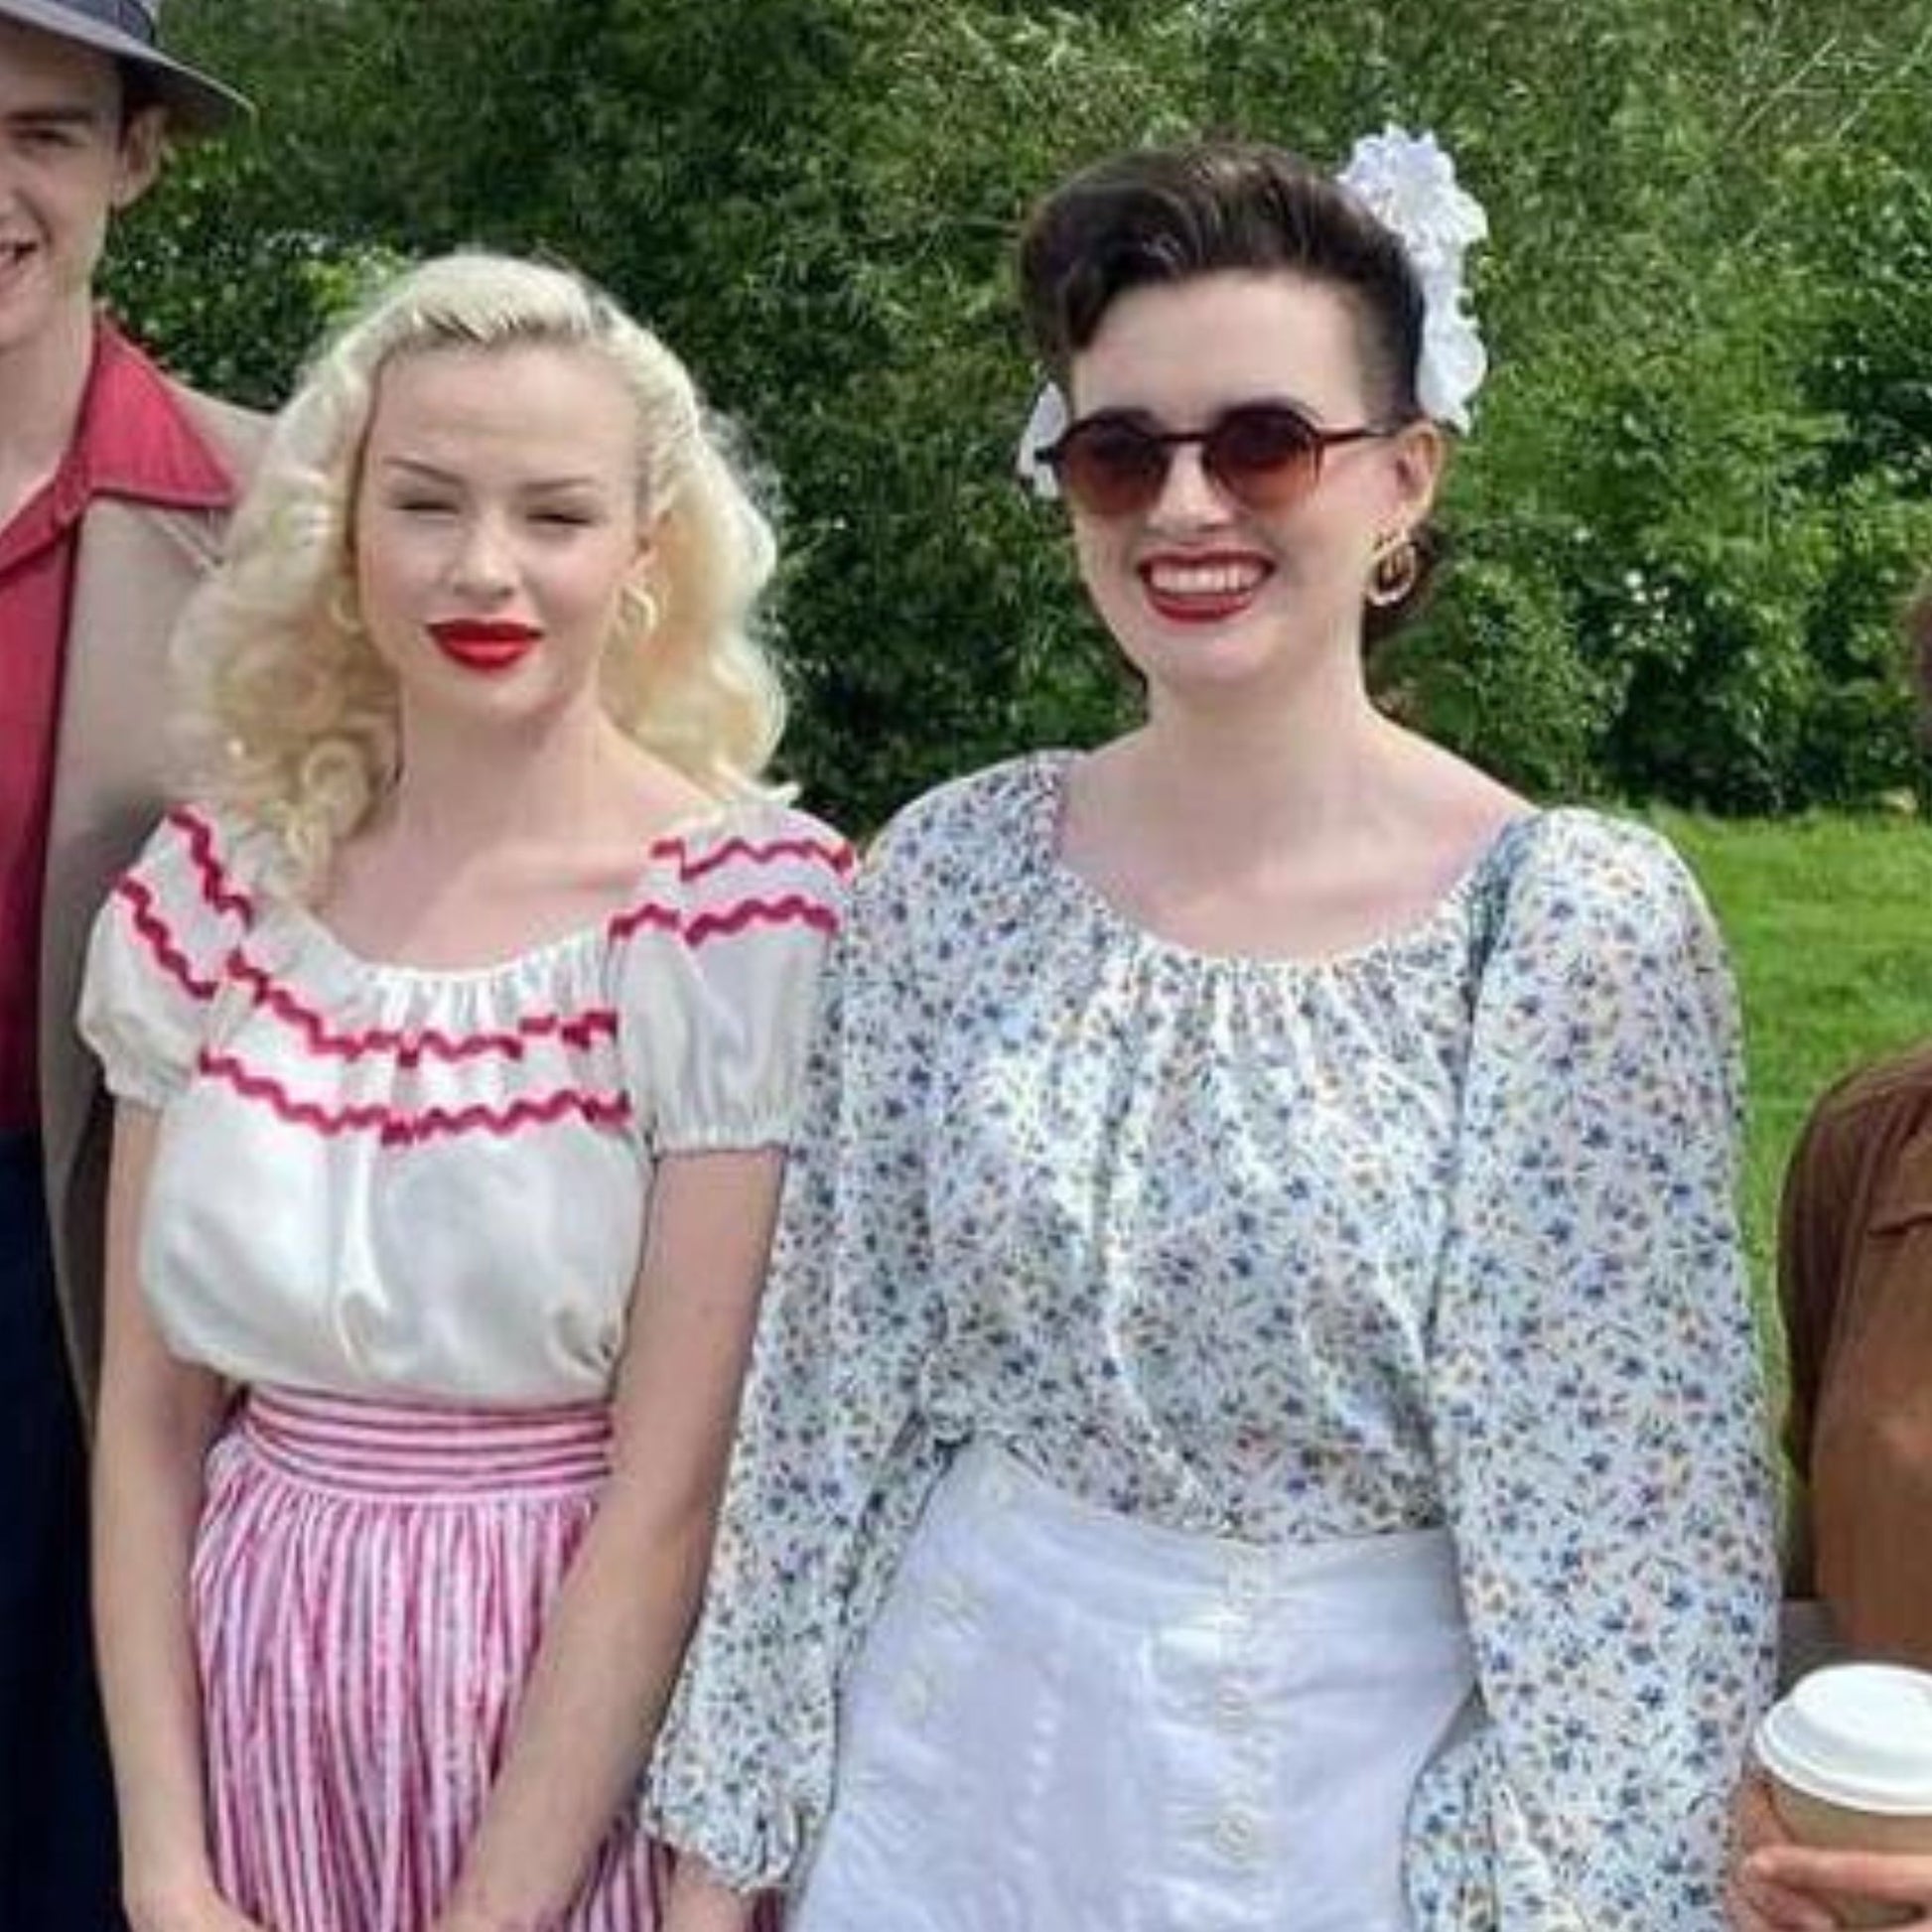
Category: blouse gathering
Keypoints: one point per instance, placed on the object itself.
(389, 1181)
(1439, 1232)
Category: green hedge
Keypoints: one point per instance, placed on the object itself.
(1698, 483)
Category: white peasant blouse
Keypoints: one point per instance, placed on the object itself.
(384, 1180)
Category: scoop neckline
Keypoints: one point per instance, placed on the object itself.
(588, 936)
(1443, 914)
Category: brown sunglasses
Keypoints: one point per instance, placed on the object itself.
(1265, 455)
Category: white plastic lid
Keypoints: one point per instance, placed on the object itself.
(1855, 1734)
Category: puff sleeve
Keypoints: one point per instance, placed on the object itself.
(157, 957)
(718, 972)
(834, 1459)
(1598, 1414)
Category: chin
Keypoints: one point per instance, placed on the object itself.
(1232, 656)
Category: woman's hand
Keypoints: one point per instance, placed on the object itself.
(699, 1903)
(460, 1917)
(1757, 1903)
(195, 1907)
(1779, 1886)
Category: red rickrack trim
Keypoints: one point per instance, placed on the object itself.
(411, 1050)
(215, 888)
(396, 1129)
(794, 909)
(138, 897)
(661, 919)
(695, 928)
(834, 853)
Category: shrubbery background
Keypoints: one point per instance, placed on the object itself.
(1701, 476)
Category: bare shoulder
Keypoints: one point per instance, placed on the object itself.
(1468, 808)
(1457, 814)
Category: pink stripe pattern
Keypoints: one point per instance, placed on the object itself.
(370, 1584)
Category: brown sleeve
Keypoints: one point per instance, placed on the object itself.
(1820, 1189)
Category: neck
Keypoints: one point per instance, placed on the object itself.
(464, 789)
(1286, 765)
(43, 384)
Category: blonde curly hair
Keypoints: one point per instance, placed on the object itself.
(290, 718)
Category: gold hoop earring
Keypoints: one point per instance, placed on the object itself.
(1394, 571)
(341, 609)
(639, 608)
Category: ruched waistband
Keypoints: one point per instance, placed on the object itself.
(1050, 1541)
(423, 1451)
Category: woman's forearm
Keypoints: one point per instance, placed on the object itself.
(157, 1419)
(604, 1674)
(147, 1497)
(701, 1902)
(614, 1638)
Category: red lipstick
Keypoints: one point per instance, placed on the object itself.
(484, 643)
(1204, 587)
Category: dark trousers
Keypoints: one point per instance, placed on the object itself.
(57, 1819)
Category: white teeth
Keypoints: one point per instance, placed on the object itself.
(1204, 580)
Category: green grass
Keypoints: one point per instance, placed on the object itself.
(1830, 925)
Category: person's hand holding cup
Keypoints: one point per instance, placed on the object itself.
(1837, 1830)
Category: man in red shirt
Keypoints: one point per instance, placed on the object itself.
(113, 484)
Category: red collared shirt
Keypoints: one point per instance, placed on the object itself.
(133, 441)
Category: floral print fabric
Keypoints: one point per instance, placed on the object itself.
(1439, 1231)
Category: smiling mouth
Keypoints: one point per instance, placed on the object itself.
(479, 645)
(13, 253)
(1202, 590)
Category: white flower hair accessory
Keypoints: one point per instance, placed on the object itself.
(1045, 425)
(1409, 185)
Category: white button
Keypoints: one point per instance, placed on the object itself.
(916, 1694)
(952, 1597)
(1234, 1706)
(1237, 1836)
(1247, 1580)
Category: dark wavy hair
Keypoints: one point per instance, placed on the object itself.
(1171, 215)
(139, 89)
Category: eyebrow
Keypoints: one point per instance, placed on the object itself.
(1139, 413)
(429, 473)
(58, 114)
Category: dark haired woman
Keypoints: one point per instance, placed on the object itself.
(1255, 1422)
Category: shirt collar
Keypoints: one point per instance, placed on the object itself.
(135, 440)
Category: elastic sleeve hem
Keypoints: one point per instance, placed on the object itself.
(757, 1850)
(756, 1134)
(138, 1086)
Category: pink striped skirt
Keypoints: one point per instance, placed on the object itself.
(370, 1582)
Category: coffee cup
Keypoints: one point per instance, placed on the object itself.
(1848, 1756)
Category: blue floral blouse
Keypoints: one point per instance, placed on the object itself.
(1439, 1231)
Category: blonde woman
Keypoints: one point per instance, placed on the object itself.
(454, 1033)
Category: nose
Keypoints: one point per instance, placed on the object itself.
(1189, 498)
(482, 567)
